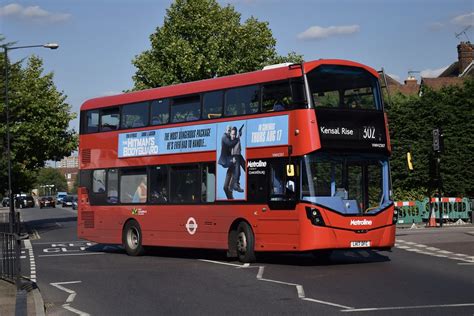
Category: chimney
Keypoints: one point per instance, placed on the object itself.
(465, 55)
(411, 80)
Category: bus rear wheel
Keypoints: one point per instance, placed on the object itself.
(132, 239)
(245, 243)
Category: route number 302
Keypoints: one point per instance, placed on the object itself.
(369, 132)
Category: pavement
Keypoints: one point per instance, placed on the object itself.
(26, 301)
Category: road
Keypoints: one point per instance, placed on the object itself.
(429, 272)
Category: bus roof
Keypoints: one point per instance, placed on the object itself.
(249, 78)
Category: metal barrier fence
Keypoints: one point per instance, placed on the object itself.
(452, 209)
(9, 261)
(10, 244)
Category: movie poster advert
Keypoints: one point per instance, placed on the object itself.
(269, 131)
(168, 141)
(231, 161)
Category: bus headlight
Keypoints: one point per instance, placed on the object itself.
(314, 215)
(395, 215)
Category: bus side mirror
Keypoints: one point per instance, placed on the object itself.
(290, 170)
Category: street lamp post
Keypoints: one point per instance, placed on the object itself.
(6, 48)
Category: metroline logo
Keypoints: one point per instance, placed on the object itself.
(256, 164)
(358, 222)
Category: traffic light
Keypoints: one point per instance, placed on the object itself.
(409, 161)
(437, 140)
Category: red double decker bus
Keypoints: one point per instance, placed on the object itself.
(289, 158)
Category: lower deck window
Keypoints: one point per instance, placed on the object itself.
(185, 184)
(133, 186)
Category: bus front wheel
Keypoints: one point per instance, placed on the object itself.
(132, 239)
(245, 243)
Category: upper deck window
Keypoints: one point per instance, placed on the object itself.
(134, 115)
(243, 100)
(212, 104)
(186, 109)
(92, 121)
(344, 87)
(160, 112)
(276, 97)
(109, 119)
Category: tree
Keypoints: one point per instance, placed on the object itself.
(412, 120)
(39, 120)
(50, 176)
(200, 39)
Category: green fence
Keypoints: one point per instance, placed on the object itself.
(452, 209)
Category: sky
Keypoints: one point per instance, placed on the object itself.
(99, 38)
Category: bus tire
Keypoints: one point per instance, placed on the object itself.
(245, 243)
(132, 239)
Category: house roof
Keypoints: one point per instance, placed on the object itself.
(441, 82)
(391, 81)
(410, 89)
(451, 71)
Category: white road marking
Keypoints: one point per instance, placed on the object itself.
(76, 311)
(222, 263)
(29, 248)
(327, 303)
(403, 247)
(466, 264)
(404, 307)
(445, 252)
(70, 298)
(74, 254)
(433, 251)
(299, 288)
(74, 242)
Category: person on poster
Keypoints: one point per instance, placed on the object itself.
(237, 159)
(225, 160)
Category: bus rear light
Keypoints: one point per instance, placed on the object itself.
(314, 215)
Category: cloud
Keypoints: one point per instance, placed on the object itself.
(432, 73)
(34, 13)
(464, 20)
(318, 32)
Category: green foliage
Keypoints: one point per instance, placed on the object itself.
(412, 120)
(414, 194)
(75, 185)
(200, 39)
(39, 120)
(50, 176)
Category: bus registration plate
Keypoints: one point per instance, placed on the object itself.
(360, 244)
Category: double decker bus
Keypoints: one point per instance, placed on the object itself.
(292, 158)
